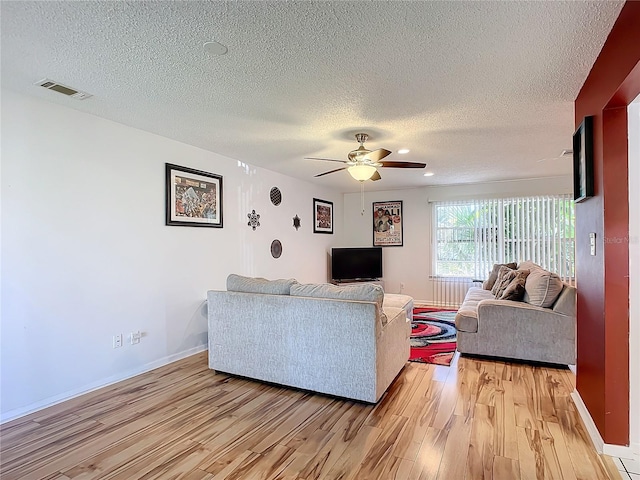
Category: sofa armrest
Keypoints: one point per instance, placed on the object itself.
(392, 348)
(566, 301)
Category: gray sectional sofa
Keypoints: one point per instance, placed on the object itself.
(541, 327)
(348, 341)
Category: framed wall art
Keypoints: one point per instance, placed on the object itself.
(322, 216)
(194, 197)
(387, 224)
(583, 161)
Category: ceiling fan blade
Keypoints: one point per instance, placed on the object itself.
(377, 154)
(375, 176)
(330, 171)
(403, 164)
(326, 159)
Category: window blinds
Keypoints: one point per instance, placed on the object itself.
(472, 235)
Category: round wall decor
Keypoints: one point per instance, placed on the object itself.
(276, 249)
(254, 219)
(276, 196)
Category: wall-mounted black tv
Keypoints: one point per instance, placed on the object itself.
(364, 263)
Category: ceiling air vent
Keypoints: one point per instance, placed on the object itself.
(58, 87)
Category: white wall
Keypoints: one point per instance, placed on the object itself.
(411, 263)
(399, 264)
(634, 275)
(85, 253)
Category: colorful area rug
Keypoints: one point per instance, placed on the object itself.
(433, 335)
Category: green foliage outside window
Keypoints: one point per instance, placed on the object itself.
(471, 236)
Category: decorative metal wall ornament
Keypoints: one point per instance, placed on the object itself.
(276, 196)
(296, 222)
(276, 249)
(254, 219)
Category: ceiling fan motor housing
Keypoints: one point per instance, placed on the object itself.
(358, 154)
(361, 138)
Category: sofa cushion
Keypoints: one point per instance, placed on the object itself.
(397, 300)
(493, 275)
(238, 283)
(364, 292)
(515, 289)
(505, 275)
(367, 292)
(542, 288)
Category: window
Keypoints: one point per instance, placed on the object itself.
(472, 235)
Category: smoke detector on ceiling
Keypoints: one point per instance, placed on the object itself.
(58, 87)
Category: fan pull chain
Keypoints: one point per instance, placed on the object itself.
(362, 198)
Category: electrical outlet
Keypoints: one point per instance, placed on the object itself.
(135, 337)
(117, 340)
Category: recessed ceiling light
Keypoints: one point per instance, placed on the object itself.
(402, 151)
(215, 48)
(429, 174)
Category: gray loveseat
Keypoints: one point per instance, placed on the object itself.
(522, 330)
(345, 341)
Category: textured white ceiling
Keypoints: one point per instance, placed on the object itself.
(480, 91)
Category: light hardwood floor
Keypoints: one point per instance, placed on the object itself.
(477, 419)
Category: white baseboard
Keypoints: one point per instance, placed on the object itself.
(620, 451)
(48, 402)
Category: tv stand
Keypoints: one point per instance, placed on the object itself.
(355, 281)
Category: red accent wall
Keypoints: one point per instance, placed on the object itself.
(603, 280)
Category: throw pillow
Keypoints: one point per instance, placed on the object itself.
(238, 283)
(528, 265)
(502, 271)
(542, 288)
(493, 275)
(515, 289)
(505, 275)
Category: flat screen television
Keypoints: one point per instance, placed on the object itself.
(364, 263)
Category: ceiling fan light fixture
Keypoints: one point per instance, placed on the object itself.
(402, 151)
(429, 174)
(362, 172)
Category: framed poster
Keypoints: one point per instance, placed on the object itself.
(194, 197)
(583, 161)
(387, 224)
(322, 216)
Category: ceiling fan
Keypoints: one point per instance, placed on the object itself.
(363, 163)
